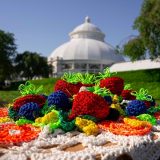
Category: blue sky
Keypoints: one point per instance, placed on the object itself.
(43, 25)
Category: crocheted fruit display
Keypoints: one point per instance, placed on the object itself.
(89, 103)
(113, 83)
(85, 102)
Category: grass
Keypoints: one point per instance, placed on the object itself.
(149, 80)
(48, 84)
(8, 96)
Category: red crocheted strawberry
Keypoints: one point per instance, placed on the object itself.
(88, 103)
(29, 93)
(126, 95)
(39, 99)
(87, 79)
(68, 88)
(114, 84)
(71, 83)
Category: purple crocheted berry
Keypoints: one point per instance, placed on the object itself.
(29, 110)
(135, 108)
(59, 99)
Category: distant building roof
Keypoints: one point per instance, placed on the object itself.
(87, 43)
(137, 65)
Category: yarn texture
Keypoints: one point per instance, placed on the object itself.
(89, 103)
(39, 99)
(29, 110)
(59, 99)
(135, 108)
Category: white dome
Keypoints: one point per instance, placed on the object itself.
(87, 27)
(86, 46)
(87, 49)
(87, 30)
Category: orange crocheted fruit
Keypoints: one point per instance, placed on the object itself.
(3, 112)
(11, 134)
(120, 128)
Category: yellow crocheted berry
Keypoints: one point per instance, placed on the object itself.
(135, 123)
(5, 119)
(118, 107)
(87, 126)
(51, 117)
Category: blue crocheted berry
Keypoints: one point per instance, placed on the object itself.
(29, 110)
(108, 99)
(135, 108)
(59, 99)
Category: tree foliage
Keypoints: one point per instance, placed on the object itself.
(31, 64)
(7, 52)
(148, 25)
(134, 49)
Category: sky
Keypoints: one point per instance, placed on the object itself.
(43, 25)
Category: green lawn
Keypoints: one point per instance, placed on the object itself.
(138, 79)
(8, 96)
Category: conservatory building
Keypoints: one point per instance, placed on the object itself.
(85, 52)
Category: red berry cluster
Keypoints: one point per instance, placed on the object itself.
(68, 88)
(126, 95)
(114, 84)
(39, 99)
(87, 103)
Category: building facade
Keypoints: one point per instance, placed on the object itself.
(86, 51)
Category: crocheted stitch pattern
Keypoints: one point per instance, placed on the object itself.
(68, 88)
(39, 99)
(103, 107)
(91, 104)
(114, 84)
(59, 99)
(29, 110)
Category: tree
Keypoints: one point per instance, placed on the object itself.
(31, 64)
(134, 49)
(148, 25)
(7, 53)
